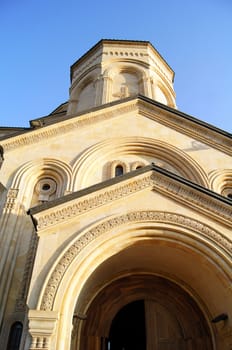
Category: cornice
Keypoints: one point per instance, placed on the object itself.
(151, 109)
(90, 201)
(195, 197)
(186, 124)
(71, 122)
(115, 43)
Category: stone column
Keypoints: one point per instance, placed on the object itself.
(99, 84)
(148, 86)
(42, 325)
(107, 89)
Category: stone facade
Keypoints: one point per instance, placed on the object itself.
(113, 198)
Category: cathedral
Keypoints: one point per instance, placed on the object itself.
(115, 215)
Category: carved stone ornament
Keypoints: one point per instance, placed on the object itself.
(194, 130)
(87, 118)
(11, 197)
(137, 216)
(195, 199)
(84, 205)
(166, 117)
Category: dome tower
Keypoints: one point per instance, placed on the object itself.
(117, 69)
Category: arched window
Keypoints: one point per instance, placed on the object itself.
(15, 336)
(45, 190)
(118, 170)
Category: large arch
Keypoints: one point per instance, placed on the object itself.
(139, 243)
(88, 165)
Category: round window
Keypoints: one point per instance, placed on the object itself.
(227, 192)
(46, 186)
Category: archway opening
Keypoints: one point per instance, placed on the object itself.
(144, 312)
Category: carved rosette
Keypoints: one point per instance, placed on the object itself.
(138, 216)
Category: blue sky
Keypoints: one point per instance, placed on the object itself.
(41, 39)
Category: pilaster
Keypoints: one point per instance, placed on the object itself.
(107, 89)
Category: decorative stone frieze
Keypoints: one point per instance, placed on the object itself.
(164, 184)
(83, 205)
(137, 216)
(193, 198)
(86, 119)
(171, 119)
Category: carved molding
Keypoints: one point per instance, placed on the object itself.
(137, 216)
(193, 198)
(168, 118)
(71, 123)
(136, 55)
(83, 205)
(168, 186)
(184, 126)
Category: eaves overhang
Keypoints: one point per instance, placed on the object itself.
(157, 179)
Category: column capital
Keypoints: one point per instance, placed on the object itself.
(42, 326)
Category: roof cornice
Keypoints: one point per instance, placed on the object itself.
(179, 121)
(187, 124)
(115, 42)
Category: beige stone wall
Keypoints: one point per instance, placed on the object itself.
(88, 156)
(150, 221)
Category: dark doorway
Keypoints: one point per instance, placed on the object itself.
(128, 330)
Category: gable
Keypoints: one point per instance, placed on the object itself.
(146, 182)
